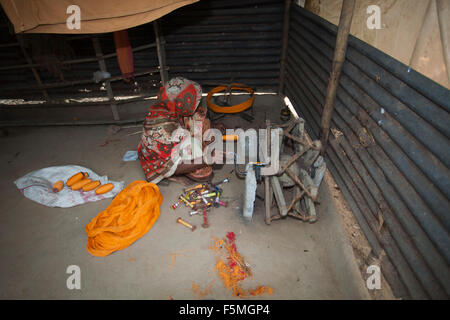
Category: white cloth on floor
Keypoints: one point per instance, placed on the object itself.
(38, 186)
(130, 156)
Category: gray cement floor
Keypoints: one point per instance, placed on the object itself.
(37, 243)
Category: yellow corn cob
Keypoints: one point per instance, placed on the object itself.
(80, 184)
(91, 186)
(57, 187)
(76, 177)
(104, 188)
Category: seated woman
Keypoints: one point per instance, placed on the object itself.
(177, 107)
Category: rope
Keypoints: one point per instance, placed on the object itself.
(129, 216)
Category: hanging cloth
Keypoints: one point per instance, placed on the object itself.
(124, 54)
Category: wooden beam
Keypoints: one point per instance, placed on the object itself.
(287, 7)
(77, 61)
(267, 190)
(63, 84)
(69, 123)
(160, 48)
(340, 50)
(33, 69)
(102, 65)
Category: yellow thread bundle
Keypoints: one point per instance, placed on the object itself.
(129, 216)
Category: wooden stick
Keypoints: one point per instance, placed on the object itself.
(268, 193)
(340, 50)
(35, 73)
(160, 49)
(287, 7)
(297, 180)
(77, 61)
(8, 45)
(296, 198)
(293, 159)
(302, 217)
(102, 65)
(279, 196)
(296, 139)
(77, 82)
(66, 123)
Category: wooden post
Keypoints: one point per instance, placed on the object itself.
(33, 69)
(161, 52)
(268, 193)
(345, 22)
(287, 8)
(299, 149)
(102, 65)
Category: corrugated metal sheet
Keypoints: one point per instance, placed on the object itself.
(211, 42)
(216, 42)
(389, 151)
(20, 82)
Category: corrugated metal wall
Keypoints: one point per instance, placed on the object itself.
(20, 82)
(389, 150)
(215, 42)
(212, 42)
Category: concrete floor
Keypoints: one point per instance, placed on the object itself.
(37, 243)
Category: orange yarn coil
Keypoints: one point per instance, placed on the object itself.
(129, 216)
(232, 109)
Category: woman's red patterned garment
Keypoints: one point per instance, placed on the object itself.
(178, 99)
